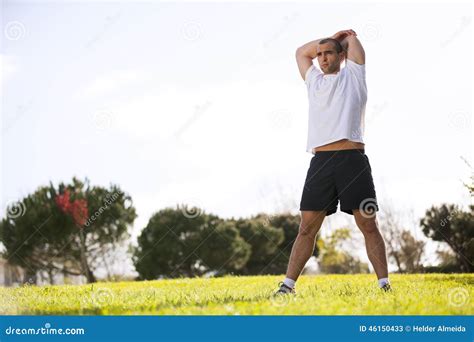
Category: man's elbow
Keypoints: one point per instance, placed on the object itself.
(352, 38)
(301, 51)
(354, 42)
(355, 51)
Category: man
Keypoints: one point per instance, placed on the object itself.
(339, 169)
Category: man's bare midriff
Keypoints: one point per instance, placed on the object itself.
(343, 144)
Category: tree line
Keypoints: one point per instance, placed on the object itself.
(73, 228)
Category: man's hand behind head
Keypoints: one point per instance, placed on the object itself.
(343, 34)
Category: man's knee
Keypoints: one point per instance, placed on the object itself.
(308, 229)
(311, 222)
(369, 226)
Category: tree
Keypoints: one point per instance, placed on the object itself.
(402, 247)
(449, 223)
(333, 260)
(225, 250)
(65, 229)
(411, 251)
(469, 186)
(263, 239)
(277, 261)
(188, 242)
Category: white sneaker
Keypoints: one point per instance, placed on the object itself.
(284, 289)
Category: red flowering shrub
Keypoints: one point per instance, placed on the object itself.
(77, 209)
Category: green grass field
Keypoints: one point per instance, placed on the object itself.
(414, 294)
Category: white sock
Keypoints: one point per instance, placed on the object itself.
(289, 282)
(383, 281)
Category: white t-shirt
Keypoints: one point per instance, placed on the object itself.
(336, 105)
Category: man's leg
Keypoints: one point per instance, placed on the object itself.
(319, 192)
(374, 242)
(303, 246)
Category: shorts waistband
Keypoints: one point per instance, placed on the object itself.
(352, 150)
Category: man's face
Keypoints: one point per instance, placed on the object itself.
(328, 58)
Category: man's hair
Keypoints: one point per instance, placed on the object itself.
(334, 42)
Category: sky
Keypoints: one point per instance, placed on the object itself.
(202, 103)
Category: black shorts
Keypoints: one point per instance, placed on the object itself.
(343, 175)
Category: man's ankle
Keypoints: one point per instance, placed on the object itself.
(289, 282)
(383, 282)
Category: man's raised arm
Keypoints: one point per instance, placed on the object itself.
(307, 52)
(353, 46)
(305, 55)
